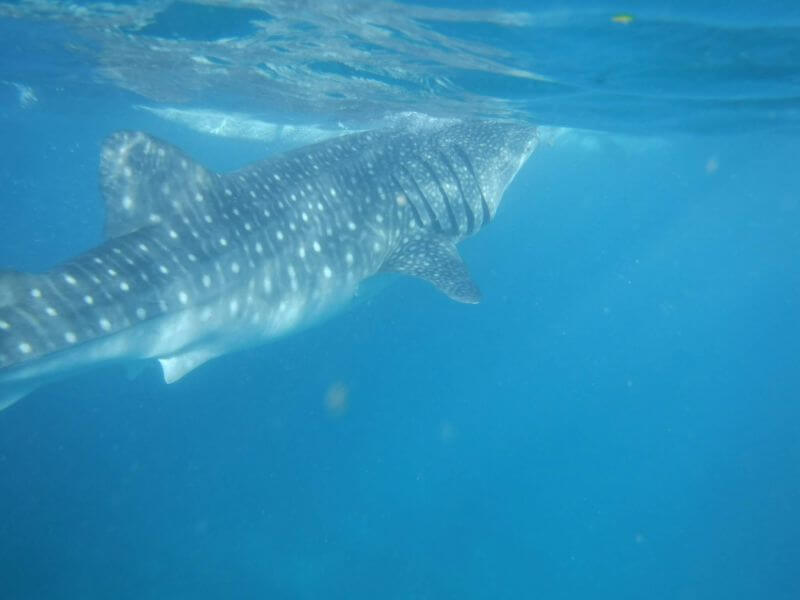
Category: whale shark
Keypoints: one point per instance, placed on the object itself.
(197, 264)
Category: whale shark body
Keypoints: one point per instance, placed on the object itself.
(197, 264)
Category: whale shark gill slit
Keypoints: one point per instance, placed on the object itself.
(461, 195)
(453, 227)
(425, 202)
(487, 213)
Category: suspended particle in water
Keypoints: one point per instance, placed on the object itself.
(337, 400)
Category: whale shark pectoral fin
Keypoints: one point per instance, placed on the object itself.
(437, 262)
(176, 367)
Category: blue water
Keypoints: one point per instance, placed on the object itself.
(618, 418)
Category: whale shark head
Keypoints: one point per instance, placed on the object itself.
(495, 152)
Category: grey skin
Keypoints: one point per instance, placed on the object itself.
(198, 264)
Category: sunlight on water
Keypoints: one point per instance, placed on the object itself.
(335, 64)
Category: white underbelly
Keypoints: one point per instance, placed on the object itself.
(188, 338)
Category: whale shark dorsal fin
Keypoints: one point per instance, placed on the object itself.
(436, 261)
(145, 180)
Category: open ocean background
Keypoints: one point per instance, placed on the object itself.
(618, 418)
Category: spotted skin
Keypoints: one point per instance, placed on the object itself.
(198, 264)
